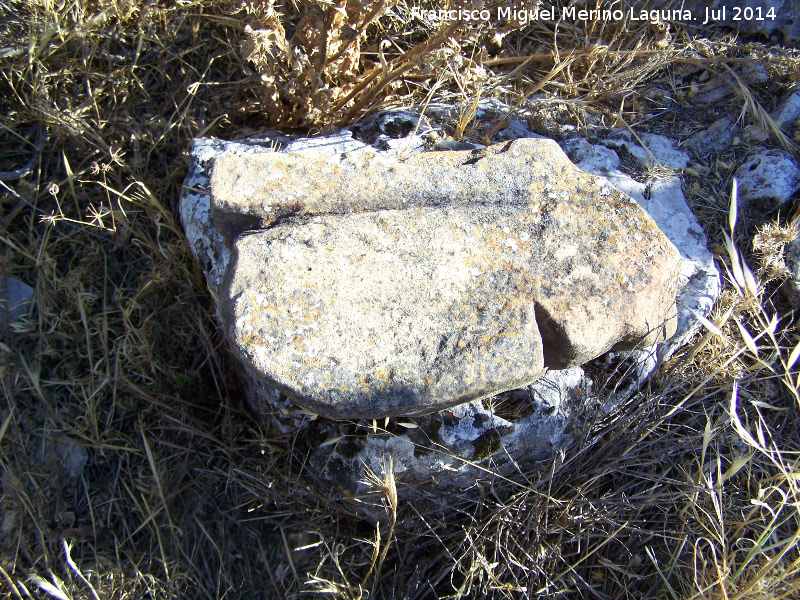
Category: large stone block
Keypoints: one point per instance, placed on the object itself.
(472, 442)
(372, 284)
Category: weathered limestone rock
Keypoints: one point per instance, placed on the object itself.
(443, 447)
(15, 300)
(768, 178)
(793, 263)
(660, 151)
(389, 285)
(551, 410)
(388, 312)
(663, 199)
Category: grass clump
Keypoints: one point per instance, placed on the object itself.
(687, 491)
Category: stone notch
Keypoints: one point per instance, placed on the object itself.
(381, 286)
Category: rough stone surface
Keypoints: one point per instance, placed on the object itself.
(717, 138)
(272, 186)
(793, 263)
(788, 112)
(768, 178)
(16, 298)
(400, 286)
(387, 313)
(561, 398)
(658, 150)
(458, 447)
(601, 159)
(664, 201)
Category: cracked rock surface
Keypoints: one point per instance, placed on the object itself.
(369, 284)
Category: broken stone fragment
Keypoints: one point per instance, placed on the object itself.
(16, 298)
(788, 112)
(368, 284)
(662, 198)
(717, 138)
(463, 435)
(793, 264)
(767, 179)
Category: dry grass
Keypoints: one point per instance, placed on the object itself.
(688, 491)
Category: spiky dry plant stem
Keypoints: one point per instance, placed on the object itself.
(387, 487)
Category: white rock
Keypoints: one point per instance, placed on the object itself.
(443, 451)
(768, 178)
(665, 152)
(660, 151)
(16, 299)
(664, 201)
(788, 111)
(580, 150)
